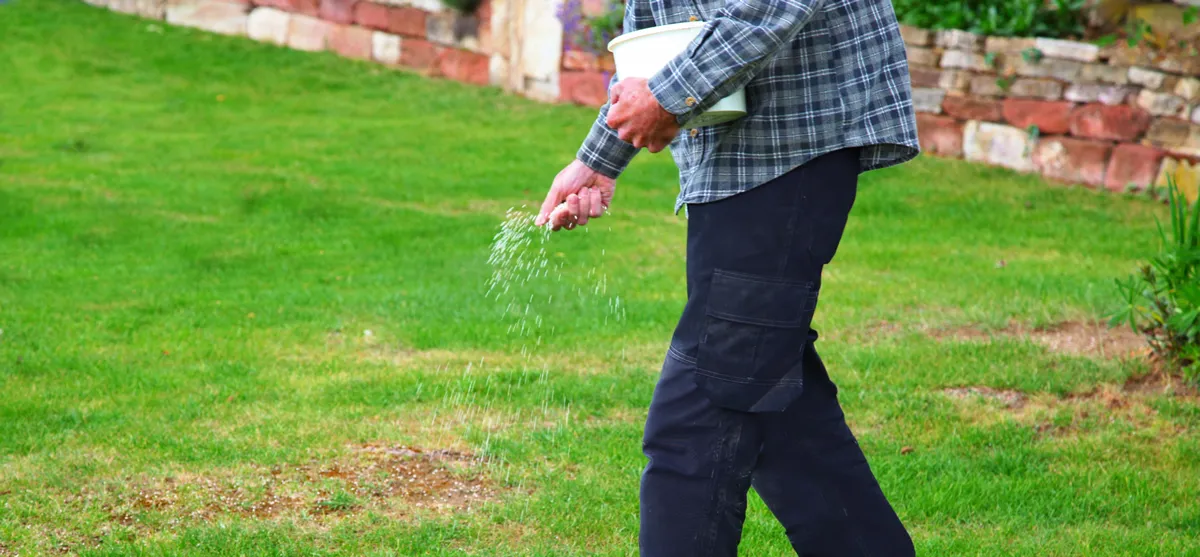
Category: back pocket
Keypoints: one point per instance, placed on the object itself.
(752, 347)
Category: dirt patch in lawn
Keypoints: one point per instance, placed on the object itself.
(396, 480)
(1077, 338)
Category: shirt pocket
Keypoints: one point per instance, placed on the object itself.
(753, 342)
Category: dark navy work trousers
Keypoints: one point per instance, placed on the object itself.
(744, 400)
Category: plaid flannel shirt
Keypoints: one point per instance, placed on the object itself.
(820, 75)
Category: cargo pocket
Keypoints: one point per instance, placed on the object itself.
(752, 346)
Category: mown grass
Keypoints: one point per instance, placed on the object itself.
(196, 232)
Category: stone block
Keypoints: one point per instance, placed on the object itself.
(453, 29)
(589, 88)
(1160, 104)
(1068, 50)
(268, 25)
(958, 40)
(1050, 117)
(928, 100)
(999, 145)
(916, 36)
(1175, 136)
(987, 86)
(1079, 161)
(1098, 92)
(1104, 73)
(940, 135)
(972, 108)
(946, 80)
(918, 56)
(462, 65)
(1147, 78)
(1063, 70)
(1117, 123)
(418, 53)
(1188, 88)
(580, 61)
(1008, 45)
(1184, 174)
(371, 15)
(1196, 115)
(308, 33)
(1026, 87)
(1132, 164)
(226, 18)
(351, 41)
(385, 48)
(407, 22)
(497, 70)
(337, 11)
(964, 60)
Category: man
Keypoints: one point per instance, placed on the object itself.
(743, 399)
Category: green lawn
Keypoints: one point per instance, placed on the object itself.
(196, 232)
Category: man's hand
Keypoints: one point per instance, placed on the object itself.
(637, 116)
(586, 194)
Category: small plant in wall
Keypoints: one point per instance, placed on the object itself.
(590, 33)
(463, 6)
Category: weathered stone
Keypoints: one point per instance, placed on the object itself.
(542, 47)
(1184, 174)
(407, 22)
(337, 11)
(498, 70)
(972, 108)
(958, 40)
(309, 8)
(371, 15)
(462, 65)
(1036, 88)
(580, 61)
(1105, 73)
(385, 48)
(1176, 136)
(940, 135)
(1188, 88)
(453, 29)
(1079, 161)
(988, 86)
(1196, 115)
(1097, 92)
(589, 88)
(1132, 164)
(268, 25)
(418, 53)
(1122, 54)
(947, 80)
(999, 145)
(1160, 104)
(217, 17)
(1068, 50)
(1118, 123)
(919, 56)
(1050, 117)
(1147, 78)
(1181, 64)
(351, 41)
(928, 100)
(308, 33)
(966, 60)
(1064, 70)
(1008, 45)
(916, 36)
(153, 9)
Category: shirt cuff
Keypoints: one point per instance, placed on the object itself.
(682, 89)
(604, 152)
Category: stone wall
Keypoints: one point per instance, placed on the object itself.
(516, 44)
(1117, 117)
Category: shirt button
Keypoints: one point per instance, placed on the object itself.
(693, 18)
(694, 132)
(691, 101)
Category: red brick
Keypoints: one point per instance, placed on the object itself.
(578, 60)
(1132, 164)
(587, 88)
(924, 77)
(1101, 121)
(372, 15)
(409, 22)
(280, 4)
(1079, 161)
(459, 65)
(1050, 117)
(970, 108)
(351, 41)
(337, 11)
(306, 7)
(940, 135)
(418, 53)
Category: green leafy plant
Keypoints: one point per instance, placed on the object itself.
(1013, 18)
(463, 6)
(1032, 55)
(1162, 299)
(1004, 83)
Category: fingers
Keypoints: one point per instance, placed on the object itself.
(585, 206)
(597, 203)
(552, 201)
(573, 208)
(614, 94)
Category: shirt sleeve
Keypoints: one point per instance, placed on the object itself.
(602, 150)
(742, 36)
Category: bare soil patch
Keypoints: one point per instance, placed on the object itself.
(1078, 338)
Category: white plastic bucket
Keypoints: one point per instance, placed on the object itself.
(644, 52)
